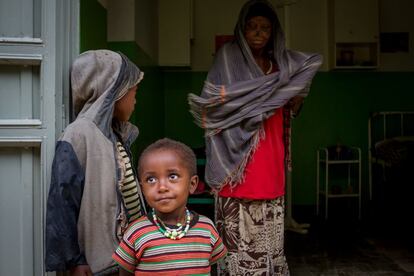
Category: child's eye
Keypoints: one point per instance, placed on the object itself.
(173, 176)
(151, 180)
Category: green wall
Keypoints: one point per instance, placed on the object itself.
(336, 110)
(179, 123)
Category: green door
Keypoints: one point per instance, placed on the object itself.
(37, 42)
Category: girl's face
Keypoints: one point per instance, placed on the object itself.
(125, 105)
(166, 183)
(257, 32)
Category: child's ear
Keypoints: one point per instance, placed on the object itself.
(193, 184)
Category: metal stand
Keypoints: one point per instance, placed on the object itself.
(323, 187)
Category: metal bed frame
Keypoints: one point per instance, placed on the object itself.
(382, 118)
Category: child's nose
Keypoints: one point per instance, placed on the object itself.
(163, 185)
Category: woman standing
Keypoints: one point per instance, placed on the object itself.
(251, 90)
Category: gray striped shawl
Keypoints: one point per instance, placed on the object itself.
(237, 97)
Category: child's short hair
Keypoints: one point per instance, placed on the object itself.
(182, 150)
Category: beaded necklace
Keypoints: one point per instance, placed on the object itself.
(173, 234)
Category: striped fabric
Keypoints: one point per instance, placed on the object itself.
(129, 186)
(145, 251)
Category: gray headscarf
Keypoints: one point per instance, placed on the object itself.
(237, 97)
(99, 78)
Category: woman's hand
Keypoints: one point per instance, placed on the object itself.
(81, 270)
(295, 104)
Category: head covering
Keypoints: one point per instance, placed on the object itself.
(98, 79)
(237, 97)
(259, 9)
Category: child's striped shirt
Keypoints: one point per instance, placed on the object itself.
(146, 251)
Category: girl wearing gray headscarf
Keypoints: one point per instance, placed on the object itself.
(93, 192)
(253, 87)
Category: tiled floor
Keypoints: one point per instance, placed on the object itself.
(341, 247)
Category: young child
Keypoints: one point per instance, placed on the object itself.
(169, 240)
(94, 192)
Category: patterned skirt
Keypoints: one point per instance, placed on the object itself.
(253, 232)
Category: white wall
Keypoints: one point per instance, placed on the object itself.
(130, 20)
(121, 20)
(174, 32)
(146, 26)
(133, 20)
(306, 26)
(397, 16)
(211, 18)
(305, 23)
